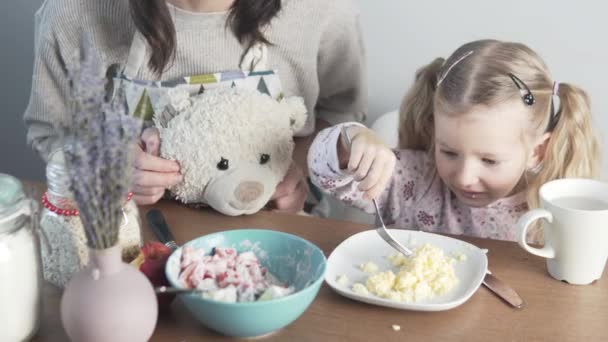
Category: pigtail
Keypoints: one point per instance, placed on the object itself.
(573, 148)
(247, 18)
(416, 112)
(153, 20)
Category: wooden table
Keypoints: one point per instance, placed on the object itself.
(554, 311)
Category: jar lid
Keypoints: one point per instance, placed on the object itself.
(11, 193)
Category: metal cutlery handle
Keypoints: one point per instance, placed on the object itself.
(378, 211)
(159, 227)
(168, 289)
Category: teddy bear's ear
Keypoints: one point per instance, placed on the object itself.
(294, 105)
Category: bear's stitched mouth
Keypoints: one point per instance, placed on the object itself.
(240, 205)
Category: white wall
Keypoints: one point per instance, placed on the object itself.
(401, 36)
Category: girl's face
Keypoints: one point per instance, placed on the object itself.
(481, 155)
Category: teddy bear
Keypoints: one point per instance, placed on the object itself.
(234, 145)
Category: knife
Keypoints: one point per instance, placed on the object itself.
(502, 290)
(159, 227)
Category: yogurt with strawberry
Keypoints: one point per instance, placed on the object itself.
(228, 276)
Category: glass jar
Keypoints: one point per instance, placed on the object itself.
(67, 250)
(20, 271)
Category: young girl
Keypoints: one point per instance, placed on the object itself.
(154, 45)
(479, 133)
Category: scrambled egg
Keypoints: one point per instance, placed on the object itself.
(426, 274)
(342, 280)
(460, 256)
(369, 267)
(360, 289)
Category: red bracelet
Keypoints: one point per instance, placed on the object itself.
(66, 212)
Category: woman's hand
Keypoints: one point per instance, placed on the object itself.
(152, 174)
(291, 193)
(371, 161)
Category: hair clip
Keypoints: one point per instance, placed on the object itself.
(556, 88)
(555, 114)
(442, 77)
(525, 92)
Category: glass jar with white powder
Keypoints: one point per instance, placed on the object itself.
(67, 251)
(20, 270)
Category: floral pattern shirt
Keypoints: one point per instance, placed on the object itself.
(416, 197)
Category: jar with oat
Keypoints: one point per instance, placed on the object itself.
(66, 251)
(20, 276)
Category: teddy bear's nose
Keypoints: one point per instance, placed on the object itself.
(248, 191)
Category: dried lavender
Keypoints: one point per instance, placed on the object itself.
(98, 139)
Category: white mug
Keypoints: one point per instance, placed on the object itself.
(575, 225)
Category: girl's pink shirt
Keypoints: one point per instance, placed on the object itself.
(416, 197)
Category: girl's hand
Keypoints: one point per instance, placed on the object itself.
(371, 161)
(152, 174)
(291, 193)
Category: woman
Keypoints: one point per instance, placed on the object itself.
(314, 45)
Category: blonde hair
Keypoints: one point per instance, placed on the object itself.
(482, 78)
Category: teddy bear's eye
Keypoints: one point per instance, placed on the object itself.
(264, 158)
(223, 164)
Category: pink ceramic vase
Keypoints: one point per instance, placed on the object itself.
(109, 301)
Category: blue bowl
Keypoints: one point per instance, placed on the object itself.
(291, 259)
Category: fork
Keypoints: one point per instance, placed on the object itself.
(381, 230)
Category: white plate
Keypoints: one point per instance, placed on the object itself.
(369, 246)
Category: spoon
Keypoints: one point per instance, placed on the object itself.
(175, 290)
(382, 231)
